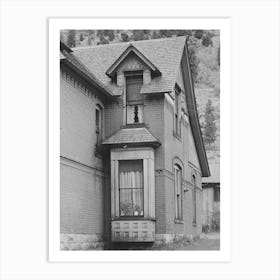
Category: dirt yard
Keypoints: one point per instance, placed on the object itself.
(208, 242)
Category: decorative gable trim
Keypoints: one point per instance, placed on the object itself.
(111, 72)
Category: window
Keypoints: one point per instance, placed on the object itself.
(98, 123)
(194, 199)
(131, 188)
(216, 194)
(178, 192)
(134, 99)
(177, 124)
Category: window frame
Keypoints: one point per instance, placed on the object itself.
(142, 188)
(178, 195)
(177, 109)
(99, 128)
(194, 200)
(140, 103)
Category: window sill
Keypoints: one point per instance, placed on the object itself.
(132, 218)
(176, 221)
(133, 125)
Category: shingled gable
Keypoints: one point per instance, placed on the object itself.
(111, 72)
(67, 58)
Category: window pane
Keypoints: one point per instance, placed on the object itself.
(138, 199)
(97, 118)
(131, 188)
(133, 87)
(178, 191)
(126, 206)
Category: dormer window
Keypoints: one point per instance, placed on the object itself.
(134, 99)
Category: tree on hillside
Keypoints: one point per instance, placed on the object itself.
(138, 35)
(71, 41)
(194, 60)
(198, 34)
(81, 37)
(111, 35)
(206, 41)
(124, 37)
(209, 125)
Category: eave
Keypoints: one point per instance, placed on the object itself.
(68, 59)
(193, 115)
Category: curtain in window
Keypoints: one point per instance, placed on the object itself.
(131, 191)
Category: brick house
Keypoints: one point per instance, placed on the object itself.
(132, 154)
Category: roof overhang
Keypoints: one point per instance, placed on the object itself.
(68, 59)
(111, 72)
(193, 115)
(138, 136)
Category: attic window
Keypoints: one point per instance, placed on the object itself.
(134, 99)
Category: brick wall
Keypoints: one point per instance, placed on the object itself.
(82, 173)
(182, 150)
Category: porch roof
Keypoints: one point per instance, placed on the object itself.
(132, 136)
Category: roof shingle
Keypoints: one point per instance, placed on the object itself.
(131, 135)
(164, 53)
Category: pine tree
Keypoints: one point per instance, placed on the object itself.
(198, 34)
(194, 61)
(206, 41)
(209, 125)
(81, 37)
(71, 42)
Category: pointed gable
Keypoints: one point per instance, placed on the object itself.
(132, 51)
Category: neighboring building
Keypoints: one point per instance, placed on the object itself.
(211, 199)
(132, 154)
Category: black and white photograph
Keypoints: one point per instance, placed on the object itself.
(140, 139)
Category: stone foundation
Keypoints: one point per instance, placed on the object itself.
(81, 242)
(169, 238)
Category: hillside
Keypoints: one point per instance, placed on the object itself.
(203, 48)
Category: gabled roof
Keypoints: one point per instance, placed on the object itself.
(137, 135)
(67, 57)
(165, 54)
(132, 49)
(168, 55)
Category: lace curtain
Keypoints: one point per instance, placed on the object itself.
(131, 193)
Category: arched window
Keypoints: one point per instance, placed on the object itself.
(98, 123)
(178, 192)
(194, 199)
